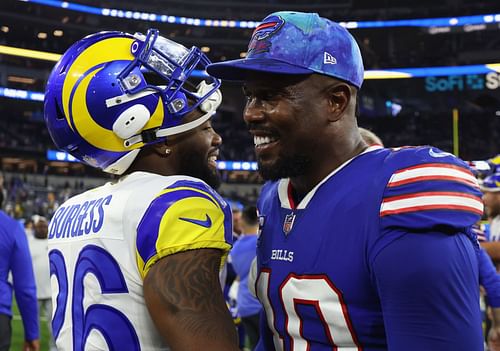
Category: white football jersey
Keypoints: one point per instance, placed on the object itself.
(102, 244)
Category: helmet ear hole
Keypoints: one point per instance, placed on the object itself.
(131, 121)
(59, 111)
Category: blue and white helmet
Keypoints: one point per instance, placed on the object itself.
(112, 93)
(491, 183)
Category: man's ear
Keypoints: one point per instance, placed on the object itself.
(161, 149)
(338, 98)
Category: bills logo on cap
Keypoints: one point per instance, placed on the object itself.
(288, 223)
(271, 25)
(266, 29)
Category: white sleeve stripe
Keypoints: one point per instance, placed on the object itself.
(436, 165)
(393, 183)
(426, 172)
(430, 201)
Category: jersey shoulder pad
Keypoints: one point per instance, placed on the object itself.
(185, 215)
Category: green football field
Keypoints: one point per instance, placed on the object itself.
(18, 332)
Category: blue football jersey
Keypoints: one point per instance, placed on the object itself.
(379, 255)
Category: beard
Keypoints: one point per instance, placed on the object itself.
(285, 167)
(195, 165)
(492, 211)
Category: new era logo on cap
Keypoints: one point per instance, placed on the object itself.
(329, 59)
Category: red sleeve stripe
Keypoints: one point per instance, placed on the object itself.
(432, 171)
(431, 201)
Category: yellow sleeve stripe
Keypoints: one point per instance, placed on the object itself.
(169, 190)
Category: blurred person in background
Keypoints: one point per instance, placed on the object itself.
(3, 191)
(490, 187)
(39, 250)
(237, 229)
(50, 205)
(15, 257)
(229, 273)
(242, 255)
(369, 137)
(28, 227)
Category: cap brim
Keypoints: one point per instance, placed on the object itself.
(238, 70)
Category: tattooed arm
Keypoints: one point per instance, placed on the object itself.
(184, 297)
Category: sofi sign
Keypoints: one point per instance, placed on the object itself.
(467, 82)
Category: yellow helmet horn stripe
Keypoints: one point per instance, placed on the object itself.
(77, 112)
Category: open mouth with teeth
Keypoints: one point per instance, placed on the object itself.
(263, 141)
(212, 161)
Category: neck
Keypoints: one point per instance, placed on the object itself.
(250, 231)
(323, 166)
(149, 161)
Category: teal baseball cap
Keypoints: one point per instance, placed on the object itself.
(288, 42)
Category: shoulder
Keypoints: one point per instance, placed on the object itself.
(7, 221)
(9, 226)
(184, 215)
(181, 195)
(408, 156)
(180, 188)
(270, 188)
(268, 192)
(428, 187)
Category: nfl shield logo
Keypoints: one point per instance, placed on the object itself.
(288, 223)
(261, 225)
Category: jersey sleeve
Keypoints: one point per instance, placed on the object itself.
(430, 189)
(184, 216)
(24, 284)
(429, 294)
(489, 278)
(427, 190)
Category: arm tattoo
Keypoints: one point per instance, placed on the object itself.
(187, 284)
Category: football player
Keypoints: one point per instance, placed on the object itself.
(134, 263)
(360, 248)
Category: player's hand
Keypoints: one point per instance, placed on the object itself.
(33, 345)
(494, 338)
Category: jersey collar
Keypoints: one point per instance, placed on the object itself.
(285, 187)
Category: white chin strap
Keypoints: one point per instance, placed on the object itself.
(209, 106)
(171, 131)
